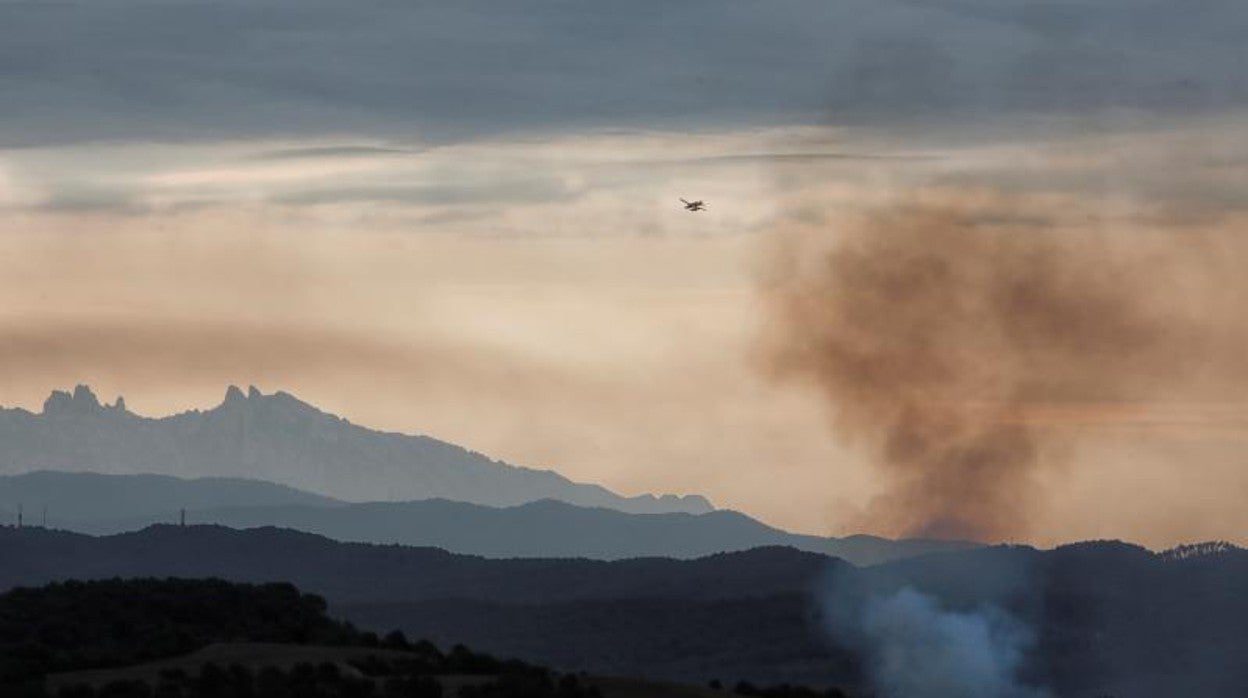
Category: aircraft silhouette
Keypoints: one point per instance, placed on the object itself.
(694, 205)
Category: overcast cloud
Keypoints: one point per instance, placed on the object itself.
(133, 69)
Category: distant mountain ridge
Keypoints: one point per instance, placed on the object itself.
(74, 498)
(360, 572)
(283, 440)
(106, 504)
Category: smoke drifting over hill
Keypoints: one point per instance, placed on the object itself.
(918, 650)
(952, 334)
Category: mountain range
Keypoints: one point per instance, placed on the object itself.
(105, 504)
(280, 439)
(1097, 618)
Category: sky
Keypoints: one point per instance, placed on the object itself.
(462, 220)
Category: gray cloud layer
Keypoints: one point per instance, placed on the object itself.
(136, 69)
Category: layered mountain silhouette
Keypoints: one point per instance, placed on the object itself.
(79, 500)
(282, 440)
(1106, 618)
(105, 504)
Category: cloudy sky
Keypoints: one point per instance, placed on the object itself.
(461, 219)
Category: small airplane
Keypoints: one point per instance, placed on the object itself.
(694, 205)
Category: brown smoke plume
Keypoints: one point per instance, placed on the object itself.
(943, 329)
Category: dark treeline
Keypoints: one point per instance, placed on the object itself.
(377, 679)
(745, 688)
(114, 624)
(73, 626)
(85, 625)
(381, 679)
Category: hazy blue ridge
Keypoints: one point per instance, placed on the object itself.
(106, 504)
(283, 440)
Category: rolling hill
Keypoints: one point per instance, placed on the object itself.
(1103, 618)
(74, 499)
(107, 504)
(199, 638)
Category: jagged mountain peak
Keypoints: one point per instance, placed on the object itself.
(232, 395)
(253, 397)
(80, 402)
(235, 394)
(283, 439)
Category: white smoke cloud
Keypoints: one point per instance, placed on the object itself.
(916, 649)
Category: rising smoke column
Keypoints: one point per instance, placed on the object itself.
(916, 649)
(939, 328)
